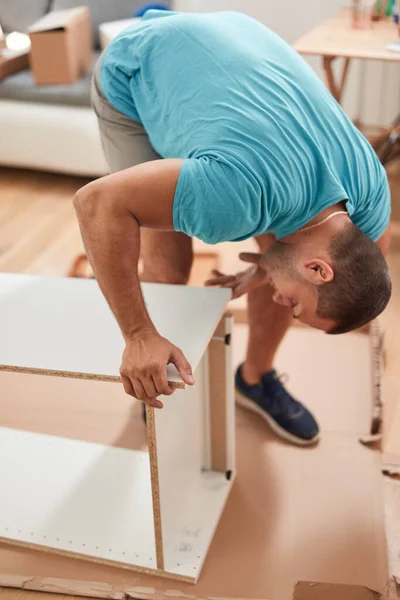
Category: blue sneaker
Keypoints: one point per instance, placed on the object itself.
(286, 416)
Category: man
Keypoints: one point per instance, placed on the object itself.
(215, 128)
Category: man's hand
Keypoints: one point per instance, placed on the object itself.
(144, 367)
(242, 282)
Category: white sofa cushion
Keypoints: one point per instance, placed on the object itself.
(48, 137)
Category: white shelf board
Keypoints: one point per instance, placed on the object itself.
(65, 325)
(75, 496)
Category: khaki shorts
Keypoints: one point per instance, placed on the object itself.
(125, 141)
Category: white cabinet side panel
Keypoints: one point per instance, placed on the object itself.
(192, 500)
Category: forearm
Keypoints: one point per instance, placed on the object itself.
(111, 236)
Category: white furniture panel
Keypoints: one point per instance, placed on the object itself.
(191, 498)
(65, 325)
(75, 496)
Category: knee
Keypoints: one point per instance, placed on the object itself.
(176, 275)
(86, 202)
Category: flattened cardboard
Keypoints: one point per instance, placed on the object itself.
(319, 591)
(392, 515)
(319, 371)
(12, 62)
(391, 428)
(61, 46)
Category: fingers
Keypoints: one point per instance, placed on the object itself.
(144, 390)
(128, 387)
(220, 279)
(238, 291)
(225, 281)
(250, 257)
(146, 393)
(161, 384)
(154, 402)
(184, 369)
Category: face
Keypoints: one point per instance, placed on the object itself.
(291, 288)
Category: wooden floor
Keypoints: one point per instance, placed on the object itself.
(39, 235)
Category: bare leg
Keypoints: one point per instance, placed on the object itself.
(268, 323)
(167, 256)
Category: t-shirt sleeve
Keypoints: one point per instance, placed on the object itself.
(372, 216)
(217, 201)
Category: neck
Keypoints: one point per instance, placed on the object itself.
(317, 229)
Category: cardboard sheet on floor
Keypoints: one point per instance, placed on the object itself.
(391, 429)
(331, 375)
(310, 515)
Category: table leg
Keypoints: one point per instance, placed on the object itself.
(336, 88)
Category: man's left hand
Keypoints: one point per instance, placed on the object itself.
(242, 282)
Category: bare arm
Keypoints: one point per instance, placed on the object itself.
(111, 211)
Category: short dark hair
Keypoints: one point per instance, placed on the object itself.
(361, 287)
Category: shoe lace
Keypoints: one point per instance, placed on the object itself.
(279, 399)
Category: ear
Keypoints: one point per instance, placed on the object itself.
(318, 271)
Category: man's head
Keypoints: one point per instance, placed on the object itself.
(336, 283)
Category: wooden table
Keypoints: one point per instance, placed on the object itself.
(335, 38)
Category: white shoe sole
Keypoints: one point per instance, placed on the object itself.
(247, 404)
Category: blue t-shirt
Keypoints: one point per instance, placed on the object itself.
(266, 146)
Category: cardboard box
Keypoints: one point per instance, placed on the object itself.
(61, 46)
(12, 62)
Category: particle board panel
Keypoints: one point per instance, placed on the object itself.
(192, 497)
(52, 325)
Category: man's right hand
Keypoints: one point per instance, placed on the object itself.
(144, 367)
